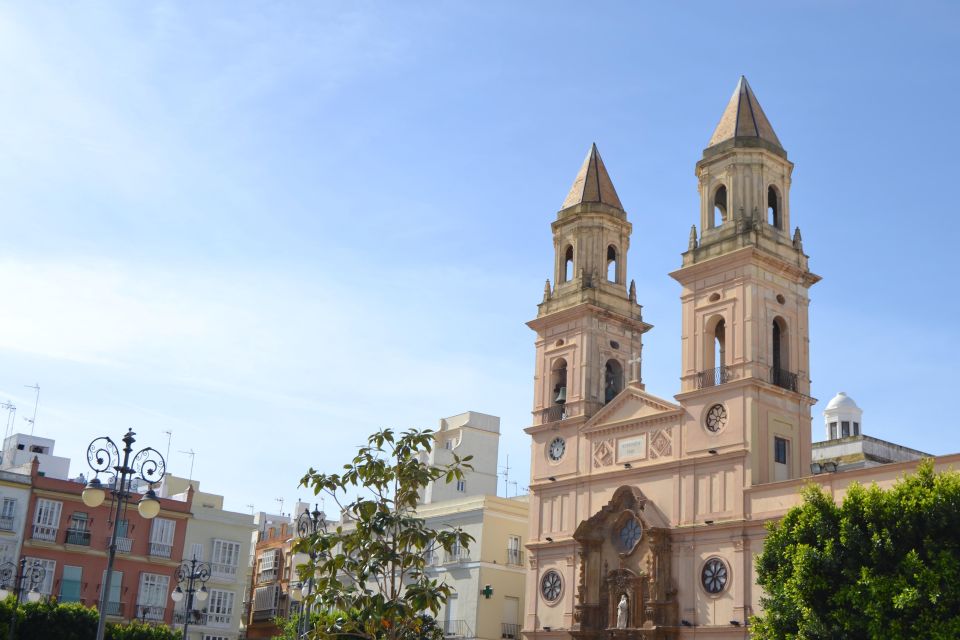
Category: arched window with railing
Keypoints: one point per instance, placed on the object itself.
(612, 380)
(613, 264)
(568, 263)
(774, 217)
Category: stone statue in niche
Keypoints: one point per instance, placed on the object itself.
(622, 612)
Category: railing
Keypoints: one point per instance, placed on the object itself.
(221, 570)
(509, 630)
(459, 555)
(264, 614)
(267, 575)
(6, 523)
(78, 536)
(114, 608)
(554, 413)
(713, 377)
(196, 616)
(456, 629)
(221, 620)
(123, 544)
(150, 612)
(515, 557)
(783, 378)
(43, 532)
(160, 550)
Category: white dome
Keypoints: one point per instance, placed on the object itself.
(841, 401)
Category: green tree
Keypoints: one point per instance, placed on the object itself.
(375, 568)
(883, 564)
(52, 620)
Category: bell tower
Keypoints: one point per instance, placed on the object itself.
(745, 376)
(589, 323)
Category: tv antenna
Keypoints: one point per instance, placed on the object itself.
(280, 500)
(506, 477)
(252, 507)
(169, 437)
(36, 402)
(191, 454)
(11, 417)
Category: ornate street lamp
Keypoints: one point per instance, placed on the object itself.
(309, 523)
(190, 574)
(148, 465)
(28, 578)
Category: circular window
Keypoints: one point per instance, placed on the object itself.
(550, 586)
(556, 449)
(614, 344)
(714, 297)
(559, 342)
(630, 534)
(780, 298)
(716, 418)
(714, 575)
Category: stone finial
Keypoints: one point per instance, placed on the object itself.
(693, 237)
(633, 291)
(797, 240)
(546, 290)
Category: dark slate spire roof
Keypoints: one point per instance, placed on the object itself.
(592, 183)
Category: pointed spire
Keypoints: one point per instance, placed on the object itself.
(546, 290)
(693, 238)
(744, 118)
(592, 183)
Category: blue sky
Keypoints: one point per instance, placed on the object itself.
(272, 228)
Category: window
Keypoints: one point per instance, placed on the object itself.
(833, 430)
(114, 607)
(49, 567)
(207, 636)
(161, 537)
(219, 608)
(550, 586)
(70, 584)
(78, 531)
(152, 597)
(6, 552)
(8, 514)
(713, 576)
(773, 208)
(845, 428)
(780, 450)
(269, 565)
(613, 380)
(719, 214)
(558, 379)
(612, 264)
(265, 600)
(196, 551)
(225, 558)
(461, 485)
(46, 519)
(513, 550)
(856, 428)
(568, 264)
(448, 444)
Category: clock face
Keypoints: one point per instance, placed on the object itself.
(550, 586)
(714, 575)
(557, 447)
(716, 418)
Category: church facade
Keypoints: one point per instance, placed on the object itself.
(642, 508)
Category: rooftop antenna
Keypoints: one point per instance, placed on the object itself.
(191, 454)
(11, 417)
(506, 477)
(169, 437)
(252, 507)
(516, 491)
(280, 500)
(36, 403)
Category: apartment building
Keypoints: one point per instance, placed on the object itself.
(14, 498)
(222, 540)
(272, 568)
(71, 539)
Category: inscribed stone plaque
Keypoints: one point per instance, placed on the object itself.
(632, 448)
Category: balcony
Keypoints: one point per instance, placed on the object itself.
(160, 550)
(197, 617)
(553, 414)
(713, 377)
(267, 575)
(6, 523)
(509, 630)
(79, 537)
(114, 609)
(123, 544)
(456, 629)
(783, 379)
(457, 555)
(515, 557)
(43, 532)
(263, 614)
(223, 571)
(153, 613)
(219, 620)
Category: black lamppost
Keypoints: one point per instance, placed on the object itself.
(190, 574)
(309, 523)
(148, 465)
(28, 578)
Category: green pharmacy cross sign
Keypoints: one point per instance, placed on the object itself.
(487, 591)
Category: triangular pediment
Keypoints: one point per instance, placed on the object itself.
(631, 405)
